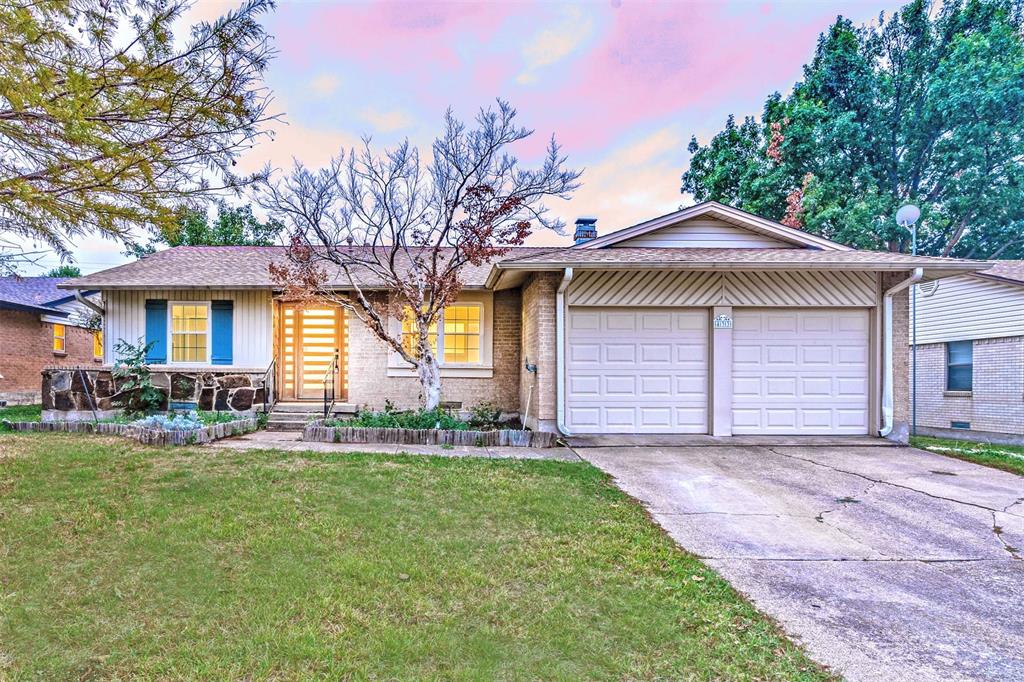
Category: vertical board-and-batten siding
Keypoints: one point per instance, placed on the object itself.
(252, 343)
(970, 307)
(705, 233)
(709, 288)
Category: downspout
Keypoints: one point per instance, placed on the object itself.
(887, 350)
(560, 352)
(87, 303)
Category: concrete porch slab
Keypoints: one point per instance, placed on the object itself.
(291, 441)
(617, 440)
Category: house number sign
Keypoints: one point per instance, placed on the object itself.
(723, 322)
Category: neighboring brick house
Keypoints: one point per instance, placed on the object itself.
(709, 320)
(970, 355)
(40, 326)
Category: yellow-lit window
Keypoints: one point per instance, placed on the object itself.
(59, 339)
(97, 345)
(410, 334)
(462, 334)
(189, 332)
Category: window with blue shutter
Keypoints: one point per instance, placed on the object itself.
(156, 331)
(222, 326)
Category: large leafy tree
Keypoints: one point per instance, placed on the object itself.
(925, 107)
(233, 226)
(108, 121)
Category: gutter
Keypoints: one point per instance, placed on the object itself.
(887, 342)
(87, 303)
(560, 352)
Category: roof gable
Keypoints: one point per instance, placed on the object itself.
(712, 225)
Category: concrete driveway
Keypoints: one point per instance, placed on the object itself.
(885, 562)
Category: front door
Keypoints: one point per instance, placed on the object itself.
(311, 336)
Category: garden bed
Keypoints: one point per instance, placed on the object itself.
(144, 435)
(319, 432)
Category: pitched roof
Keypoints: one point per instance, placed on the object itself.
(230, 267)
(733, 216)
(725, 257)
(1006, 270)
(38, 294)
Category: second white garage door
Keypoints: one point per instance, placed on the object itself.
(800, 371)
(637, 371)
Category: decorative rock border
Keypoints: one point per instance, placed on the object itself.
(207, 434)
(316, 432)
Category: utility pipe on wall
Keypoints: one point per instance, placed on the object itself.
(560, 352)
(887, 341)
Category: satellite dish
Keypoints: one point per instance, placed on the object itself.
(907, 215)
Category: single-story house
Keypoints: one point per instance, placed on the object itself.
(970, 355)
(41, 325)
(708, 320)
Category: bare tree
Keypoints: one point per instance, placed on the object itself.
(392, 222)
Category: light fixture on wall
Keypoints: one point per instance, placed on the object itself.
(906, 217)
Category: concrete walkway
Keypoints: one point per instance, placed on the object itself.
(886, 563)
(290, 440)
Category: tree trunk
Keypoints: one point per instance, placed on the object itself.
(430, 377)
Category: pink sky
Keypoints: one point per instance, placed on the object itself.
(622, 84)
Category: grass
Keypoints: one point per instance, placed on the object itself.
(1006, 457)
(121, 561)
(21, 413)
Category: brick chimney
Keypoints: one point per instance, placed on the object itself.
(586, 229)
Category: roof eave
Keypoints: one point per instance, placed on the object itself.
(960, 268)
(27, 308)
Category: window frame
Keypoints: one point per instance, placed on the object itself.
(959, 365)
(441, 346)
(484, 301)
(97, 345)
(170, 334)
(63, 336)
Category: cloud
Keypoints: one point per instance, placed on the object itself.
(314, 147)
(632, 183)
(387, 121)
(555, 43)
(323, 85)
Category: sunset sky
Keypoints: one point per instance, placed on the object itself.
(622, 84)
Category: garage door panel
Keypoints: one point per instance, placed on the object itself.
(651, 376)
(800, 371)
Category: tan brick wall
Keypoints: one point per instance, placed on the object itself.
(26, 346)
(538, 341)
(369, 384)
(900, 356)
(996, 403)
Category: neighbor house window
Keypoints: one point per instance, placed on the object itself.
(60, 339)
(457, 337)
(959, 365)
(97, 345)
(190, 332)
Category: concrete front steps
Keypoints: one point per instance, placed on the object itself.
(293, 416)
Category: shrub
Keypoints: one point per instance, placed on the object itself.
(138, 395)
(178, 422)
(486, 415)
(389, 419)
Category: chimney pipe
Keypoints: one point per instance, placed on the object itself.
(586, 230)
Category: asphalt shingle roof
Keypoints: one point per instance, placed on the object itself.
(37, 292)
(1012, 270)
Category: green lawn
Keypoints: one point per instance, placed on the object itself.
(21, 413)
(1005, 457)
(120, 561)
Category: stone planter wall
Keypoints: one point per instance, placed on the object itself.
(145, 436)
(316, 432)
(67, 390)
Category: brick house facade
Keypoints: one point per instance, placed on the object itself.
(26, 347)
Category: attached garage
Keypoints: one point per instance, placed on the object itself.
(637, 370)
(800, 371)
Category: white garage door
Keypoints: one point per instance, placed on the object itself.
(637, 371)
(800, 371)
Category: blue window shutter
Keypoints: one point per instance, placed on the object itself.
(156, 331)
(222, 326)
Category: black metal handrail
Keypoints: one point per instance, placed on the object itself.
(329, 380)
(267, 397)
